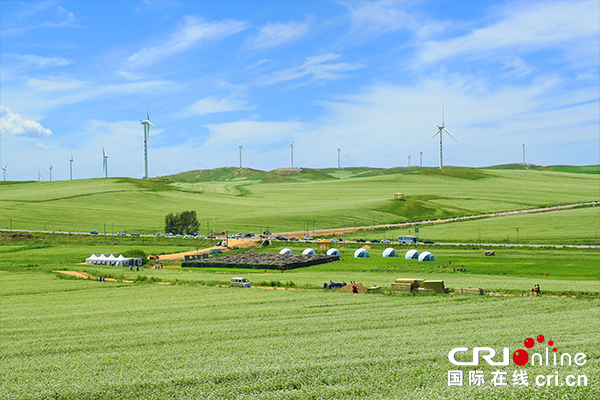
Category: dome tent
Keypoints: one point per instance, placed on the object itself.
(361, 253)
(309, 251)
(426, 256)
(412, 255)
(389, 252)
(286, 251)
(333, 252)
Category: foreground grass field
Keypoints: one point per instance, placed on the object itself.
(81, 339)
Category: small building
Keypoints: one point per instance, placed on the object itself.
(361, 253)
(309, 251)
(412, 255)
(399, 196)
(426, 256)
(333, 252)
(286, 251)
(389, 252)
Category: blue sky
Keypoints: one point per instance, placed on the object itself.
(368, 77)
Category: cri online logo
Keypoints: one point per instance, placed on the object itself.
(520, 357)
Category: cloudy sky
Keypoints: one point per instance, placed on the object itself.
(367, 77)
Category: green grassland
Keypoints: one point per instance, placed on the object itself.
(70, 338)
(82, 339)
(251, 203)
(574, 227)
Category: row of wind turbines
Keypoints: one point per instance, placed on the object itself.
(147, 124)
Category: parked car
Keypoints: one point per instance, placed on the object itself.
(93, 233)
(170, 234)
(134, 234)
(293, 239)
(359, 240)
(120, 233)
(247, 235)
(308, 238)
(158, 234)
(179, 235)
(267, 233)
(201, 237)
(386, 241)
(281, 238)
(240, 282)
(428, 242)
(374, 241)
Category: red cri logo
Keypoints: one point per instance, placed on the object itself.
(521, 357)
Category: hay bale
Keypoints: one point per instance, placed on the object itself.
(408, 280)
(374, 289)
(401, 288)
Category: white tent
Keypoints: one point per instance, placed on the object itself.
(426, 256)
(91, 259)
(309, 251)
(389, 252)
(412, 255)
(286, 251)
(333, 252)
(361, 253)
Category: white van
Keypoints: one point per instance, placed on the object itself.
(240, 282)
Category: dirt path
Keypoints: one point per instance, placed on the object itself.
(84, 275)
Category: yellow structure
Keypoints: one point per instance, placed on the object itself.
(399, 196)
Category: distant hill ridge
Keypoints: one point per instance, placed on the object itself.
(310, 174)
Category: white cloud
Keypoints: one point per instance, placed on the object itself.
(14, 124)
(42, 146)
(38, 61)
(192, 34)
(526, 26)
(275, 34)
(211, 105)
(318, 67)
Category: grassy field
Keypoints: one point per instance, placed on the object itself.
(196, 338)
(574, 227)
(243, 203)
(81, 339)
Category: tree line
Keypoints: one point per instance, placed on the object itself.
(184, 223)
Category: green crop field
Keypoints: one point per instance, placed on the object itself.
(193, 337)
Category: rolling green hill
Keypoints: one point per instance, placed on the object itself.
(285, 199)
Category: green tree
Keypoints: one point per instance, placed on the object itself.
(171, 223)
(182, 223)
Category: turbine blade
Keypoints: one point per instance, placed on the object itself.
(151, 124)
(450, 135)
(435, 135)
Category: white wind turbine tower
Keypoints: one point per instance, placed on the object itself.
(147, 125)
(71, 167)
(104, 163)
(292, 152)
(339, 153)
(39, 175)
(409, 160)
(5, 169)
(441, 129)
(421, 158)
(240, 146)
(50, 168)
(524, 145)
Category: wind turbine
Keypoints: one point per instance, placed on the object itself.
(339, 153)
(39, 175)
(524, 145)
(441, 129)
(421, 158)
(147, 125)
(104, 163)
(71, 167)
(409, 160)
(240, 146)
(4, 169)
(292, 152)
(50, 168)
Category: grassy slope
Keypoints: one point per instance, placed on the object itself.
(246, 205)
